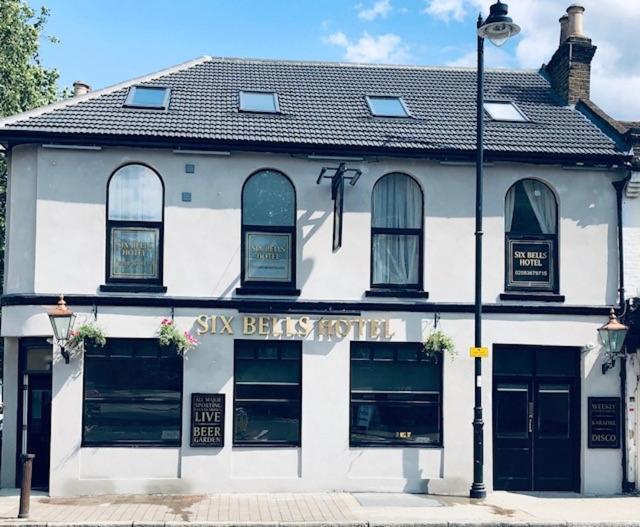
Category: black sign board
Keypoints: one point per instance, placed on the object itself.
(530, 264)
(207, 420)
(337, 193)
(604, 422)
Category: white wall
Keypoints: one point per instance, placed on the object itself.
(202, 251)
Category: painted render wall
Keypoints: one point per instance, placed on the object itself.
(202, 252)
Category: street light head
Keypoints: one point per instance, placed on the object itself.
(61, 318)
(498, 27)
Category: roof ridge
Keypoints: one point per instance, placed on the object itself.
(295, 62)
(102, 91)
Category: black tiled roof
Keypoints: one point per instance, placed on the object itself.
(323, 105)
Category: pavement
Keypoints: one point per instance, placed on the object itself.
(501, 509)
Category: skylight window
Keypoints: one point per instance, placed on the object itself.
(504, 111)
(257, 101)
(148, 97)
(387, 106)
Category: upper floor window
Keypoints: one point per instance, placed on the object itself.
(504, 111)
(135, 226)
(397, 233)
(531, 226)
(256, 101)
(148, 97)
(387, 106)
(268, 230)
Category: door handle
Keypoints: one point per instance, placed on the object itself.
(530, 418)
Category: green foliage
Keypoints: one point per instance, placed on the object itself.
(24, 82)
(438, 343)
(171, 337)
(87, 335)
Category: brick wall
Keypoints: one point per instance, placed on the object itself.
(570, 69)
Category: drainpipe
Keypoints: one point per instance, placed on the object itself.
(619, 187)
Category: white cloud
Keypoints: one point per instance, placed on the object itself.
(494, 58)
(388, 48)
(381, 8)
(612, 25)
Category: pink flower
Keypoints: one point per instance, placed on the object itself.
(167, 322)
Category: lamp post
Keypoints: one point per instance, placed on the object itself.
(61, 318)
(498, 28)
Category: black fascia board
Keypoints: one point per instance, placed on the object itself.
(270, 305)
(16, 137)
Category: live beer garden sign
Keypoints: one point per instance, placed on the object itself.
(207, 420)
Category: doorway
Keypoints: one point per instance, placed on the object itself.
(34, 412)
(536, 418)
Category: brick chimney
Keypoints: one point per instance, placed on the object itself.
(80, 88)
(570, 67)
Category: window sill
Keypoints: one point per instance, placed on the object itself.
(259, 444)
(395, 445)
(267, 291)
(129, 444)
(132, 288)
(396, 293)
(532, 297)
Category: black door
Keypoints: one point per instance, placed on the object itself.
(39, 427)
(536, 426)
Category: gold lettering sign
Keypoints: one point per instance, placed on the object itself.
(294, 327)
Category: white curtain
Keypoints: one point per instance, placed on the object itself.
(509, 207)
(543, 203)
(135, 194)
(397, 204)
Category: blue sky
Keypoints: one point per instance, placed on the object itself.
(107, 41)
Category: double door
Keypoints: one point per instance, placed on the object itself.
(536, 421)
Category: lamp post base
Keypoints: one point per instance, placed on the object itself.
(478, 491)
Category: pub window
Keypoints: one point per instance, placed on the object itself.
(396, 395)
(267, 393)
(132, 394)
(268, 231)
(531, 240)
(396, 233)
(135, 226)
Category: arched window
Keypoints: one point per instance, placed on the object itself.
(135, 205)
(531, 228)
(396, 233)
(268, 231)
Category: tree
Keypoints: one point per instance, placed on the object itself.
(24, 82)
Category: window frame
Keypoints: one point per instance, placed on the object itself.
(525, 118)
(404, 105)
(269, 286)
(254, 344)
(129, 101)
(276, 102)
(175, 443)
(376, 231)
(554, 266)
(394, 443)
(111, 224)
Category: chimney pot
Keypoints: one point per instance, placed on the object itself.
(576, 27)
(564, 28)
(80, 88)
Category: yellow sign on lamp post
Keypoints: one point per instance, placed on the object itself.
(482, 353)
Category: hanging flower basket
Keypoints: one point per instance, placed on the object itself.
(88, 336)
(438, 344)
(171, 337)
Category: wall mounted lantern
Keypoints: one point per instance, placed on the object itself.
(612, 336)
(62, 318)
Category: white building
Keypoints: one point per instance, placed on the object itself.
(194, 195)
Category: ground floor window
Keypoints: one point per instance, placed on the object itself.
(267, 393)
(132, 394)
(396, 395)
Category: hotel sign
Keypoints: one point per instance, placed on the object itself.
(268, 257)
(294, 326)
(530, 264)
(207, 420)
(604, 422)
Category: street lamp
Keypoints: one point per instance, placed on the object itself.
(61, 318)
(612, 336)
(498, 27)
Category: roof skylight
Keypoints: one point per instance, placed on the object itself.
(148, 97)
(258, 101)
(385, 106)
(504, 111)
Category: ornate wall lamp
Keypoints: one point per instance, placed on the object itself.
(612, 336)
(62, 318)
